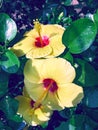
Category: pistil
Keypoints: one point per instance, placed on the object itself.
(38, 28)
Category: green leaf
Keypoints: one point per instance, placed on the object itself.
(3, 127)
(86, 74)
(96, 19)
(92, 113)
(68, 126)
(15, 122)
(9, 106)
(68, 57)
(79, 36)
(66, 2)
(8, 28)
(90, 121)
(3, 83)
(10, 62)
(77, 120)
(91, 94)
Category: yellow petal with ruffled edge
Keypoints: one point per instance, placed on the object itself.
(31, 71)
(69, 94)
(55, 68)
(23, 101)
(35, 90)
(40, 115)
(56, 45)
(24, 46)
(39, 52)
(52, 102)
(25, 108)
(58, 69)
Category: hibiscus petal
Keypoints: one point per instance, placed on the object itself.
(52, 102)
(32, 33)
(57, 69)
(23, 101)
(39, 52)
(57, 46)
(52, 30)
(35, 91)
(31, 73)
(70, 94)
(40, 115)
(25, 108)
(23, 47)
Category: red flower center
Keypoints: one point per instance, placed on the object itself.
(41, 41)
(33, 104)
(50, 85)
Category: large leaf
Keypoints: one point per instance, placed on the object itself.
(10, 62)
(79, 36)
(8, 28)
(86, 74)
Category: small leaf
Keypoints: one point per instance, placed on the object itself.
(10, 62)
(77, 120)
(86, 74)
(79, 36)
(15, 122)
(68, 57)
(8, 28)
(66, 2)
(9, 106)
(3, 83)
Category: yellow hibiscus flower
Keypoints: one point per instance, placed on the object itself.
(33, 114)
(42, 41)
(49, 81)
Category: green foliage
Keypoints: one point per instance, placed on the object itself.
(8, 28)
(9, 106)
(79, 36)
(96, 19)
(86, 74)
(9, 62)
(3, 83)
(91, 94)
